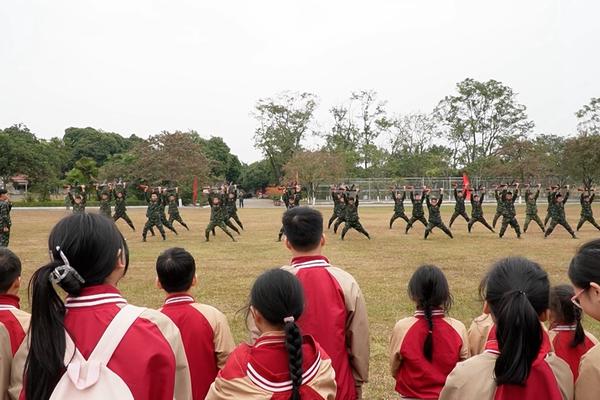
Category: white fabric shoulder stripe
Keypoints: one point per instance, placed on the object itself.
(95, 300)
(93, 297)
(7, 307)
(311, 264)
(564, 328)
(180, 299)
(278, 387)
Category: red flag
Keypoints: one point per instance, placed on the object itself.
(466, 184)
(195, 191)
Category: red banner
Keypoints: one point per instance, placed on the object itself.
(195, 191)
(466, 184)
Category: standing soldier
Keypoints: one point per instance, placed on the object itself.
(352, 220)
(587, 214)
(174, 215)
(338, 205)
(78, 199)
(557, 213)
(509, 214)
(435, 217)
(417, 209)
(164, 201)
(5, 222)
(550, 196)
(153, 213)
(291, 197)
(120, 195)
(398, 206)
(341, 215)
(104, 197)
(231, 206)
(531, 214)
(477, 211)
(217, 215)
(499, 204)
(459, 207)
(241, 195)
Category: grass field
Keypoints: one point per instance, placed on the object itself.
(381, 266)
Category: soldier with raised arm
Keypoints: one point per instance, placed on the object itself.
(120, 195)
(477, 211)
(5, 222)
(557, 213)
(351, 218)
(587, 214)
(104, 196)
(417, 209)
(398, 206)
(509, 214)
(531, 213)
(435, 217)
(459, 207)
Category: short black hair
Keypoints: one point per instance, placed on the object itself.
(3, 191)
(10, 269)
(176, 269)
(303, 227)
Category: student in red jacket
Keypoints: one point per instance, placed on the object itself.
(13, 321)
(569, 339)
(89, 256)
(282, 364)
(518, 362)
(426, 347)
(204, 329)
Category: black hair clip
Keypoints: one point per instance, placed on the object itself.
(59, 273)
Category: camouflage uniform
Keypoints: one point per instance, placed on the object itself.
(587, 214)
(218, 215)
(477, 213)
(398, 207)
(174, 211)
(5, 222)
(509, 214)
(121, 207)
(417, 212)
(532, 211)
(78, 208)
(435, 218)
(105, 208)
(338, 208)
(163, 200)
(291, 200)
(459, 208)
(153, 215)
(231, 208)
(557, 213)
(352, 219)
(341, 212)
(548, 212)
(499, 207)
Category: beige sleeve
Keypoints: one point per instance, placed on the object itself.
(183, 385)
(18, 370)
(460, 328)
(563, 374)
(591, 337)
(471, 379)
(357, 325)
(235, 389)
(398, 335)
(5, 361)
(588, 382)
(478, 333)
(223, 339)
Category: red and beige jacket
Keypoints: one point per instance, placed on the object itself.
(550, 378)
(150, 359)
(261, 372)
(479, 333)
(341, 327)
(561, 337)
(588, 382)
(206, 338)
(14, 325)
(416, 376)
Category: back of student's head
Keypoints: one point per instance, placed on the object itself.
(428, 288)
(279, 297)
(176, 269)
(585, 266)
(517, 291)
(84, 250)
(565, 312)
(10, 269)
(303, 228)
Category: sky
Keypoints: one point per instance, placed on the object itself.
(141, 66)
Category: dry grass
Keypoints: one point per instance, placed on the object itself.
(382, 266)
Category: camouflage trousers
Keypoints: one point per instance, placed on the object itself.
(4, 239)
(211, 227)
(125, 217)
(536, 218)
(481, 220)
(563, 223)
(440, 225)
(414, 219)
(177, 217)
(512, 221)
(587, 218)
(356, 225)
(398, 215)
(338, 222)
(457, 214)
(237, 220)
(153, 222)
(168, 224)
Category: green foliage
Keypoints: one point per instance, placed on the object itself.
(224, 165)
(583, 154)
(95, 144)
(588, 118)
(84, 172)
(258, 176)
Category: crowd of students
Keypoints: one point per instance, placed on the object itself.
(310, 333)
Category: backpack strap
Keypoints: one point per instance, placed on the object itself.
(114, 333)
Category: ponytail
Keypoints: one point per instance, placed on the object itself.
(579, 335)
(565, 312)
(428, 345)
(293, 344)
(519, 335)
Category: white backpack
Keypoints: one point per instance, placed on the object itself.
(92, 379)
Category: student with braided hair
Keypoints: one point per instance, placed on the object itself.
(282, 363)
(425, 348)
(569, 339)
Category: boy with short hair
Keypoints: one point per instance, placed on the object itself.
(204, 330)
(14, 323)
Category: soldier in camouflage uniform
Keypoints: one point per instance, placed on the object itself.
(399, 206)
(459, 207)
(477, 211)
(435, 217)
(154, 214)
(120, 196)
(352, 220)
(549, 196)
(231, 208)
(587, 214)
(164, 201)
(104, 197)
(341, 216)
(218, 215)
(509, 214)
(338, 205)
(531, 213)
(417, 211)
(291, 197)
(174, 215)
(557, 213)
(499, 205)
(5, 222)
(78, 200)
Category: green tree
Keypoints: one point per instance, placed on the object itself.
(224, 165)
(84, 172)
(582, 158)
(257, 176)
(588, 118)
(95, 144)
(343, 139)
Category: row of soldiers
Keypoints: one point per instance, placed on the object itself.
(222, 200)
(345, 210)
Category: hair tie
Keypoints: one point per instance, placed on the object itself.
(523, 293)
(59, 273)
(289, 319)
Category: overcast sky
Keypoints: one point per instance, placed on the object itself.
(146, 66)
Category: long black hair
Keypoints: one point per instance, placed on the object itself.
(585, 266)
(566, 312)
(89, 244)
(517, 291)
(279, 297)
(428, 288)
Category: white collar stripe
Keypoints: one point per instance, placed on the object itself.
(279, 387)
(437, 312)
(180, 299)
(95, 297)
(7, 307)
(492, 351)
(565, 328)
(95, 303)
(313, 263)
